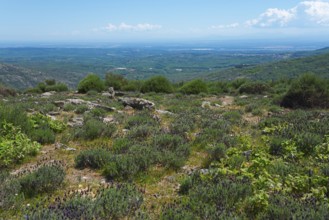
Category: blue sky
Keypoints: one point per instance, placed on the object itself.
(152, 20)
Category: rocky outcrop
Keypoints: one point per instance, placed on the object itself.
(91, 105)
(137, 103)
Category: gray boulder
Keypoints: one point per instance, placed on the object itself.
(137, 103)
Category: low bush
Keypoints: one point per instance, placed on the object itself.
(115, 80)
(43, 135)
(94, 158)
(81, 109)
(9, 190)
(276, 146)
(48, 86)
(45, 179)
(209, 198)
(143, 118)
(254, 88)
(121, 167)
(118, 202)
(194, 87)
(93, 128)
(308, 91)
(215, 153)
(91, 82)
(15, 145)
(158, 84)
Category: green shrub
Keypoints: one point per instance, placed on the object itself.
(254, 88)
(81, 109)
(68, 107)
(43, 136)
(307, 142)
(196, 86)
(171, 150)
(276, 146)
(118, 202)
(286, 207)
(121, 167)
(209, 197)
(141, 132)
(308, 91)
(45, 179)
(143, 118)
(157, 84)
(133, 85)
(115, 80)
(237, 83)
(15, 145)
(59, 87)
(9, 190)
(233, 116)
(91, 82)
(47, 86)
(215, 153)
(16, 116)
(121, 145)
(97, 113)
(93, 128)
(94, 158)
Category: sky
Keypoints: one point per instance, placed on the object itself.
(162, 20)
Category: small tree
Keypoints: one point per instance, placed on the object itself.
(157, 84)
(196, 86)
(91, 82)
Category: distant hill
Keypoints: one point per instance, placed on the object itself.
(19, 77)
(317, 62)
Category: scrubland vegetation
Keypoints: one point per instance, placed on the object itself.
(208, 150)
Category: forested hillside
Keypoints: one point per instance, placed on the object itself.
(290, 68)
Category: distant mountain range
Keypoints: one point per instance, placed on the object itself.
(316, 62)
(295, 64)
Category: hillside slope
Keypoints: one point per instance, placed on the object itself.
(18, 77)
(317, 64)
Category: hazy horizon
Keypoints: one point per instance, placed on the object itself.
(129, 21)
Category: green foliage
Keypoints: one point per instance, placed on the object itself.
(196, 86)
(308, 91)
(133, 85)
(94, 128)
(15, 145)
(118, 202)
(9, 190)
(81, 109)
(94, 158)
(45, 179)
(286, 207)
(48, 86)
(209, 198)
(91, 82)
(118, 82)
(215, 154)
(40, 121)
(142, 118)
(254, 88)
(158, 84)
(172, 150)
(121, 167)
(44, 128)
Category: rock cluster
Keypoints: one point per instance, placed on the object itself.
(137, 103)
